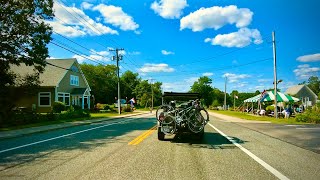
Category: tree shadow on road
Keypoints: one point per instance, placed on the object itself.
(82, 142)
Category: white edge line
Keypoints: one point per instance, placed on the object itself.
(256, 158)
(58, 137)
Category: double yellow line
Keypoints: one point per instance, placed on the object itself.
(143, 136)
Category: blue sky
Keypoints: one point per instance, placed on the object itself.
(176, 42)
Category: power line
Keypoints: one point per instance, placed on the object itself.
(72, 51)
(218, 69)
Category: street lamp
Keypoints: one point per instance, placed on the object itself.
(279, 81)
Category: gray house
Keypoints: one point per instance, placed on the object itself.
(62, 80)
(304, 93)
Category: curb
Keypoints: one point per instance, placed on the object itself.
(7, 135)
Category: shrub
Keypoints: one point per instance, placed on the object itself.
(58, 107)
(107, 107)
(74, 114)
(100, 106)
(311, 115)
(77, 107)
(127, 109)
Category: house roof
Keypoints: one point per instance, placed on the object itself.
(52, 75)
(296, 89)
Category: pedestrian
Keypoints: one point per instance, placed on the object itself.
(132, 101)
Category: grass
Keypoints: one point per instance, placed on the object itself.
(248, 116)
(93, 116)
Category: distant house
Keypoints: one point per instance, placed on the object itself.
(304, 93)
(62, 80)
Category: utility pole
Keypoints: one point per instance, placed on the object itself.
(275, 74)
(151, 94)
(225, 94)
(234, 102)
(118, 58)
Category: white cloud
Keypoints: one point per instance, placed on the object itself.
(305, 71)
(68, 23)
(115, 16)
(86, 5)
(98, 56)
(309, 58)
(241, 38)
(181, 86)
(146, 68)
(164, 52)
(169, 9)
(207, 74)
(215, 17)
(232, 78)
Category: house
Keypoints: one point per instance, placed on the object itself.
(304, 93)
(62, 80)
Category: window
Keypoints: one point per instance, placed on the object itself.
(74, 69)
(44, 99)
(74, 80)
(65, 98)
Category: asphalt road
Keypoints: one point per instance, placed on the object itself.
(128, 149)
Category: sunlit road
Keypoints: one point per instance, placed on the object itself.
(128, 149)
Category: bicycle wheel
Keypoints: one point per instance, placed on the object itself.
(204, 113)
(197, 120)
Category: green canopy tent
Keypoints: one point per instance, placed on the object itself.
(269, 96)
(281, 97)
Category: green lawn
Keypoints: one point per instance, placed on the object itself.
(248, 116)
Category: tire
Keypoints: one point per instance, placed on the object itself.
(160, 134)
(204, 113)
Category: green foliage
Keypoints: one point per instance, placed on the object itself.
(27, 117)
(100, 106)
(270, 108)
(74, 114)
(103, 82)
(204, 88)
(314, 84)
(107, 107)
(311, 115)
(24, 38)
(58, 106)
(128, 82)
(215, 103)
(127, 109)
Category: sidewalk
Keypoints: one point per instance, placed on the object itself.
(21, 132)
(234, 119)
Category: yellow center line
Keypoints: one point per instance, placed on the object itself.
(143, 136)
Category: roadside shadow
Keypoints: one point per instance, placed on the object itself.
(101, 134)
(210, 140)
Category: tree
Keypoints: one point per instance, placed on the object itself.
(314, 84)
(143, 93)
(23, 35)
(23, 39)
(129, 81)
(102, 80)
(203, 87)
